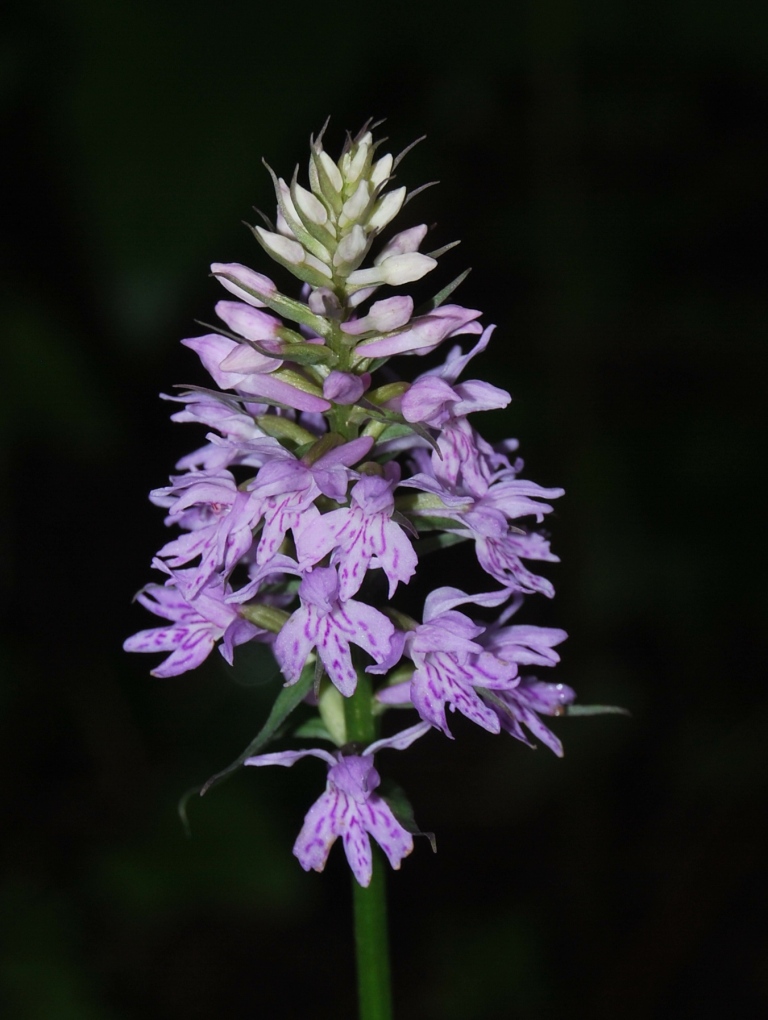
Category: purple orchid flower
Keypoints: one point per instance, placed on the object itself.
(350, 807)
(235, 427)
(326, 623)
(523, 705)
(501, 550)
(361, 535)
(452, 667)
(528, 645)
(195, 627)
(284, 492)
(220, 520)
(523, 643)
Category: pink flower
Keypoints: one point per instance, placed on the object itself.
(350, 808)
(195, 626)
(329, 625)
(361, 535)
(452, 667)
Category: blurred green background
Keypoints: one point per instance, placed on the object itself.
(601, 164)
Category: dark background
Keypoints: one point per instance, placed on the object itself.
(601, 164)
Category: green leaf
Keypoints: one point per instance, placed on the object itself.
(595, 710)
(287, 700)
(403, 811)
(301, 354)
(436, 523)
(299, 381)
(440, 541)
(283, 428)
(441, 251)
(380, 414)
(313, 729)
(395, 431)
(433, 303)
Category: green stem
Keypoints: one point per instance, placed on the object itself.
(371, 945)
(358, 712)
(370, 904)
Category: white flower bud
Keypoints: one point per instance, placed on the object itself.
(310, 207)
(356, 205)
(331, 170)
(406, 268)
(283, 247)
(405, 241)
(315, 263)
(352, 165)
(386, 209)
(285, 195)
(395, 270)
(386, 315)
(381, 170)
(290, 252)
(283, 227)
(351, 247)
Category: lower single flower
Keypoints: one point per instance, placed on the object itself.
(350, 807)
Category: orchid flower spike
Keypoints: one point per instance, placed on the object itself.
(329, 482)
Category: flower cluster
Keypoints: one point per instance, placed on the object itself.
(323, 471)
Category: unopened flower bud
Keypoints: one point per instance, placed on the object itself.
(382, 168)
(405, 241)
(386, 209)
(386, 315)
(353, 163)
(290, 253)
(310, 207)
(395, 270)
(351, 248)
(345, 387)
(331, 170)
(356, 205)
(244, 282)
